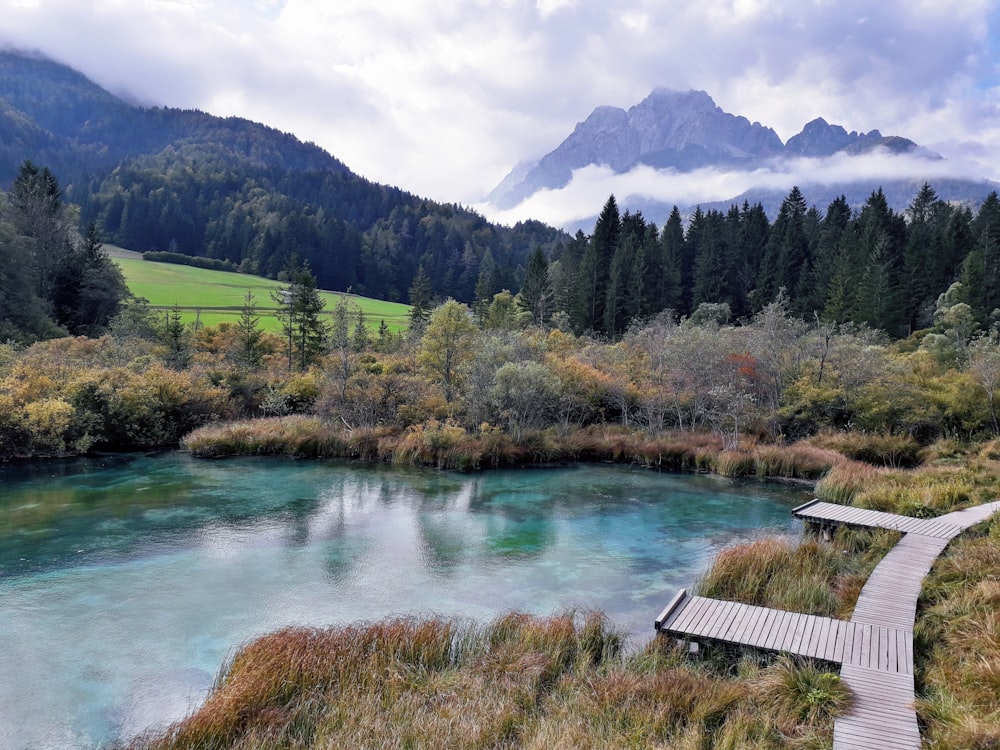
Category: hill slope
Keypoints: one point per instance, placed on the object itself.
(212, 297)
(228, 188)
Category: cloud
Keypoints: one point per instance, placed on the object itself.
(590, 186)
(444, 98)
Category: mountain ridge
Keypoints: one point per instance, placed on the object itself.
(684, 131)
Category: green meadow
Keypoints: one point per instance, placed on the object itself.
(213, 297)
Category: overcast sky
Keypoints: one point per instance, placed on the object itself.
(443, 98)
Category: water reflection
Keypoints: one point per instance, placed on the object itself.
(125, 583)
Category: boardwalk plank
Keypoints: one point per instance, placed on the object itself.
(763, 629)
(838, 646)
(746, 625)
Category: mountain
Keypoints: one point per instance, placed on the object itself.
(239, 191)
(685, 131)
(818, 138)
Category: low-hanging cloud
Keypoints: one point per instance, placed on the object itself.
(590, 186)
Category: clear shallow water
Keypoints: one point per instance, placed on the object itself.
(124, 582)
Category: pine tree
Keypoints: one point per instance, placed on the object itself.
(881, 236)
(360, 339)
(787, 252)
(745, 264)
(670, 294)
(607, 234)
(708, 283)
(249, 338)
(421, 298)
(536, 295)
(299, 309)
(924, 246)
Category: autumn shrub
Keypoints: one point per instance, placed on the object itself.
(47, 423)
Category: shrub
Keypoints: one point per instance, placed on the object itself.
(799, 692)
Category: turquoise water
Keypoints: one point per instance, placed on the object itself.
(125, 581)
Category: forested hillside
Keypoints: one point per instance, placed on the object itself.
(185, 181)
(875, 267)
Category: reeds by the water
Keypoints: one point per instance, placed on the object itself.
(528, 682)
(519, 682)
(448, 445)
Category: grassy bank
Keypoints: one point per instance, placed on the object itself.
(519, 682)
(446, 445)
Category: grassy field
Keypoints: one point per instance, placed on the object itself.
(213, 297)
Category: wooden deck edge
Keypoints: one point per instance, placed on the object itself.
(674, 603)
(796, 510)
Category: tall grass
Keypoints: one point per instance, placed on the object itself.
(449, 445)
(957, 644)
(798, 693)
(518, 682)
(886, 450)
(776, 573)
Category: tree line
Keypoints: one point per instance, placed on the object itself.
(873, 266)
(357, 235)
(53, 280)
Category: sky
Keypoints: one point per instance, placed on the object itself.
(443, 98)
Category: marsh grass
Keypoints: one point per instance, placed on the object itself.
(878, 449)
(799, 693)
(777, 573)
(846, 480)
(446, 444)
(568, 681)
(518, 682)
(957, 644)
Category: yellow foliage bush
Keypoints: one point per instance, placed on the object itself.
(47, 422)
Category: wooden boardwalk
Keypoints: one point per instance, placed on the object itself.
(882, 714)
(831, 514)
(874, 647)
(826, 638)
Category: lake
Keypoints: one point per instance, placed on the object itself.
(125, 581)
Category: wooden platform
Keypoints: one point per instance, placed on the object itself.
(874, 648)
(883, 715)
(867, 645)
(833, 514)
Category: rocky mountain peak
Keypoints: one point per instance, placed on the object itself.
(683, 131)
(668, 129)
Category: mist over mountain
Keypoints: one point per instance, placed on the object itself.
(241, 192)
(672, 140)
